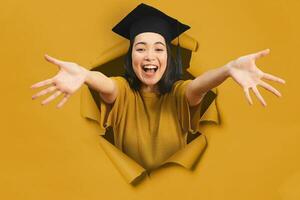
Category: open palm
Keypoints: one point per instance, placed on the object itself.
(245, 72)
(67, 81)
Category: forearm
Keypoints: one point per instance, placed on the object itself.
(208, 80)
(99, 82)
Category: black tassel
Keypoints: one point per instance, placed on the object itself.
(179, 60)
(178, 52)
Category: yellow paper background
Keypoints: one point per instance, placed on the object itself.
(48, 153)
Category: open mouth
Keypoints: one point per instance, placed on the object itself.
(150, 68)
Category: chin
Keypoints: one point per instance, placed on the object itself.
(149, 81)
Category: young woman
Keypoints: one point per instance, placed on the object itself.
(151, 109)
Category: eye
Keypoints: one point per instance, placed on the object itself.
(140, 49)
(159, 49)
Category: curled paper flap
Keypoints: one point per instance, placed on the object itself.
(186, 42)
(112, 53)
(121, 49)
(88, 107)
(127, 167)
(210, 112)
(188, 156)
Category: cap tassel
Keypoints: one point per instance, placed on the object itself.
(178, 52)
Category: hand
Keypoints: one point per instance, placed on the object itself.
(67, 81)
(244, 71)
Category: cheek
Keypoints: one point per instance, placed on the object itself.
(136, 60)
(163, 61)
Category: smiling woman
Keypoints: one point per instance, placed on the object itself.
(149, 59)
(151, 109)
(149, 65)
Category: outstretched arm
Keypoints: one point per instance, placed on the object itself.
(70, 78)
(243, 70)
(105, 86)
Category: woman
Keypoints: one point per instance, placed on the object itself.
(151, 109)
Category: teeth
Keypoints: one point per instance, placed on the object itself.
(150, 67)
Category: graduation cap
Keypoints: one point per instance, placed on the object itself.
(145, 18)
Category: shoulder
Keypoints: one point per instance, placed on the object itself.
(120, 81)
(122, 85)
(180, 86)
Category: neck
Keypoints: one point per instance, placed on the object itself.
(149, 88)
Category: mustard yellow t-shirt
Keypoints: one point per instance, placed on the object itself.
(149, 127)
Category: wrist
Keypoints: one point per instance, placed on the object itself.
(86, 74)
(227, 69)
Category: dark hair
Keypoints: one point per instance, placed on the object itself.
(171, 75)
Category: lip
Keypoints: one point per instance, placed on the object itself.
(149, 75)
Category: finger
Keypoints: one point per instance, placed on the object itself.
(261, 99)
(273, 78)
(53, 60)
(42, 83)
(63, 101)
(43, 92)
(246, 91)
(261, 54)
(270, 88)
(56, 94)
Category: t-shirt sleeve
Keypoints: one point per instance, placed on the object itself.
(110, 114)
(190, 118)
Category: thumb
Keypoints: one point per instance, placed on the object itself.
(261, 54)
(53, 60)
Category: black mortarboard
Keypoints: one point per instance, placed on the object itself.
(145, 18)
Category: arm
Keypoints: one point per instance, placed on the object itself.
(242, 70)
(105, 86)
(197, 88)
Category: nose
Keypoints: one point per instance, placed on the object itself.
(149, 55)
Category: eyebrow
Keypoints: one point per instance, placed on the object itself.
(146, 43)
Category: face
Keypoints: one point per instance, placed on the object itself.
(149, 57)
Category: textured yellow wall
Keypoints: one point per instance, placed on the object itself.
(47, 153)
